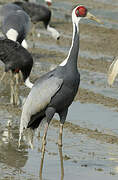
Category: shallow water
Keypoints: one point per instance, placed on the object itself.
(84, 157)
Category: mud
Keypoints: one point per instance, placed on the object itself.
(90, 152)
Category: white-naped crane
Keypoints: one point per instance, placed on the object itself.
(15, 24)
(55, 91)
(16, 59)
(39, 13)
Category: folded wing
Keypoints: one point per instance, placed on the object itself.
(39, 97)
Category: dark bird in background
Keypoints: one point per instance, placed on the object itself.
(39, 13)
(6, 9)
(48, 2)
(15, 24)
(55, 91)
(16, 59)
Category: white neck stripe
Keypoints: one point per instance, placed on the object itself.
(12, 34)
(66, 60)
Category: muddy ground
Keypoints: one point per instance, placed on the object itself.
(98, 48)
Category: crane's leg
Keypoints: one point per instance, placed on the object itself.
(62, 116)
(61, 161)
(60, 135)
(3, 76)
(43, 148)
(16, 95)
(49, 115)
(12, 84)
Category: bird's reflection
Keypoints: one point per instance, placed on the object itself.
(10, 154)
(61, 164)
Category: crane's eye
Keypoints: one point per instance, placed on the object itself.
(81, 11)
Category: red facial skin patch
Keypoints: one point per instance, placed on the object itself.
(16, 70)
(81, 11)
(49, 3)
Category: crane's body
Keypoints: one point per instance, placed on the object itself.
(55, 91)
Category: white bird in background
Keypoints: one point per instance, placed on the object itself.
(113, 71)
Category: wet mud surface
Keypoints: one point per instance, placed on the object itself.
(90, 140)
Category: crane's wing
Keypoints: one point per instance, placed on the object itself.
(38, 98)
(113, 71)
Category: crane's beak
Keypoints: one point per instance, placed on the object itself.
(92, 17)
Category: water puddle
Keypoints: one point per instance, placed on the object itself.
(84, 156)
(112, 2)
(97, 82)
(94, 116)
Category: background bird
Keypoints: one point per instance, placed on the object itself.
(6, 9)
(16, 59)
(55, 91)
(39, 13)
(48, 2)
(16, 25)
(113, 71)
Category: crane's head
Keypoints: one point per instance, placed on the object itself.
(82, 12)
(48, 2)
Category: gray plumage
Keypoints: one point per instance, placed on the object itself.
(67, 77)
(61, 96)
(45, 92)
(39, 13)
(6, 9)
(18, 20)
(36, 12)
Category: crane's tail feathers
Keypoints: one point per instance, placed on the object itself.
(27, 127)
(113, 71)
(23, 125)
(35, 121)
